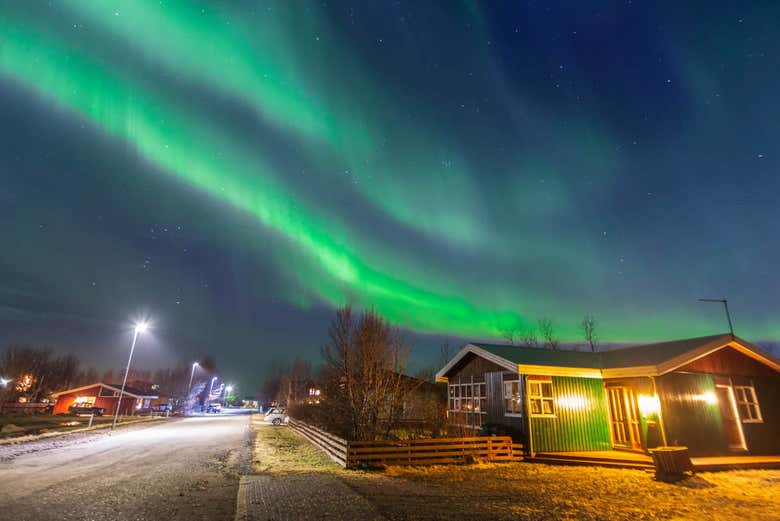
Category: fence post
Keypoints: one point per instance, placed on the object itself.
(91, 417)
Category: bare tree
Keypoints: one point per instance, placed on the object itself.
(446, 352)
(588, 326)
(510, 334)
(548, 333)
(364, 384)
(528, 338)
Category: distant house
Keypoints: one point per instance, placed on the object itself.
(717, 395)
(105, 396)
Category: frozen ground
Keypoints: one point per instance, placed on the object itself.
(511, 491)
(181, 469)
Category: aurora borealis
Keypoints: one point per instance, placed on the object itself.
(238, 169)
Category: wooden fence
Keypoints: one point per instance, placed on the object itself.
(335, 447)
(411, 452)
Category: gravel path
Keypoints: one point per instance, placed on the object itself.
(186, 469)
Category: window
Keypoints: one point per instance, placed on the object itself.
(540, 398)
(747, 403)
(108, 392)
(468, 396)
(513, 397)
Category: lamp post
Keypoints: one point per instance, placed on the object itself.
(228, 390)
(139, 328)
(189, 387)
(192, 373)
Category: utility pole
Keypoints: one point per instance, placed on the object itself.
(725, 303)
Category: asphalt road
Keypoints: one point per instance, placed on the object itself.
(182, 469)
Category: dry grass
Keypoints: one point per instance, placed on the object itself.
(530, 491)
(282, 450)
(535, 491)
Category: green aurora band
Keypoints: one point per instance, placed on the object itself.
(267, 66)
(183, 147)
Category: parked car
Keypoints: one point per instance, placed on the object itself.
(162, 408)
(86, 409)
(214, 408)
(276, 415)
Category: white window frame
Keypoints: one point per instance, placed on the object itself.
(509, 395)
(541, 398)
(460, 394)
(750, 402)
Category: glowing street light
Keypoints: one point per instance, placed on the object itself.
(228, 390)
(5, 381)
(140, 327)
(192, 373)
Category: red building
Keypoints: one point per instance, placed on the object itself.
(105, 396)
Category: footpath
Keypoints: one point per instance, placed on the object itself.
(292, 480)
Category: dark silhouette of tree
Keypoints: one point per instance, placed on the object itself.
(363, 374)
(588, 326)
(548, 333)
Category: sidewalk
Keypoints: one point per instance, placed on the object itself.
(305, 497)
(295, 481)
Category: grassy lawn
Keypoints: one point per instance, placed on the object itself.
(282, 450)
(14, 425)
(536, 491)
(530, 490)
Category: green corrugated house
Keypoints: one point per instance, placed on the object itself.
(717, 395)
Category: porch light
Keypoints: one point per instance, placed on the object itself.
(709, 398)
(649, 405)
(573, 402)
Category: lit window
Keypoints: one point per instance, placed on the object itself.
(513, 397)
(541, 401)
(747, 403)
(469, 397)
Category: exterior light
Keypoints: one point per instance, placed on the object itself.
(5, 381)
(649, 405)
(141, 327)
(709, 398)
(574, 402)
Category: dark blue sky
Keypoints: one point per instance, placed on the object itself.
(234, 171)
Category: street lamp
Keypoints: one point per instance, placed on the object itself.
(192, 373)
(228, 390)
(5, 381)
(140, 327)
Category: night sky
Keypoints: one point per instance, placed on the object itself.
(236, 170)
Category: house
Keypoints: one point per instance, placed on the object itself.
(105, 396)
(717, 395)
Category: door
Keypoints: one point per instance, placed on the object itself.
(728, 411)
(624, 418)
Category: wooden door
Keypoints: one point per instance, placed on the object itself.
(728, 411)
(624, 418)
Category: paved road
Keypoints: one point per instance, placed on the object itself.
(182, 469)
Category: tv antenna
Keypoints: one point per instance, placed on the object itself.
(725, 303)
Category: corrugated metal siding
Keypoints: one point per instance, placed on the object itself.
(581, 427)
(764, 438)
(495, 397)
(690, 421)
